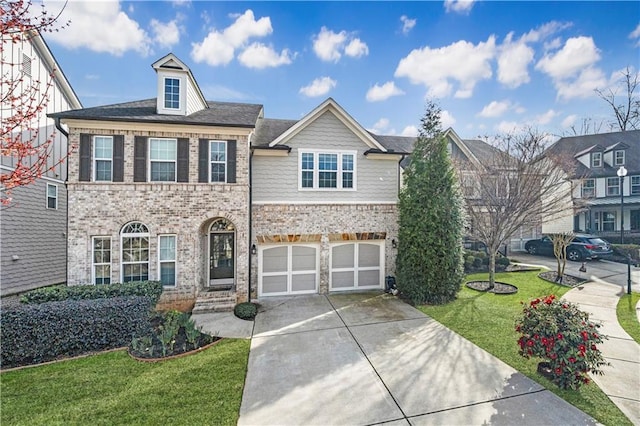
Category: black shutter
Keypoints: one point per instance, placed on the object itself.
(183, 160)
(140, 159)
(118, 158)
(85, 158)
(203, 163)
(231, 161)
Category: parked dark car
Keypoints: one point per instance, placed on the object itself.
(583, 246)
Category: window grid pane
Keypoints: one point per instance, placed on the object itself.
(52, 196)
(172, 93)
(163, 172)
(613, 186)
(102, 260)
(163, 149)
(103, 170)
(635, 185)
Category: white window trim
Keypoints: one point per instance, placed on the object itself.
(290, 272)
(632, 185)
(164, 92)
(51, 185)
(226, 157)
(593, 188)
(356, 269)
(316, 171)
(96, 159)
(615, 157)
(617, 185)
(593, 159)
(93, 264)
(132, 235)
(175, 162)
(174, 261)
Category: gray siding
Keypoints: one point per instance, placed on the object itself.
(37, 236)
(275, 179)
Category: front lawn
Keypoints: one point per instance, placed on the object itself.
(627, 316)
(112, 388)
(488, 320)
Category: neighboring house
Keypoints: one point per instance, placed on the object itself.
(594, 161)
(33, 229)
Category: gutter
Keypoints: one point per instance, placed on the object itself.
(250, 263)
(66, 225)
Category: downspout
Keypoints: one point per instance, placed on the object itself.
(250, 218)
(66, 222)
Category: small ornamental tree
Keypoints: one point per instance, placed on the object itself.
(430, 256)
(560, 333)
(561, 241)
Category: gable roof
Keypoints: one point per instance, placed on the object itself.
(574, 146)
(172, 63)
(332, 106)
(217, 114)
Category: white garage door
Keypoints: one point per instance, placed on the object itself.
(357, 266)
(288, 269)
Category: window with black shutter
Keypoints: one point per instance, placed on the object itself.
(118, 158)
(85, 158)
(140, 159)
(183, 160)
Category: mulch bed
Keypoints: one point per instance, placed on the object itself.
(499, 288)
(567, 280)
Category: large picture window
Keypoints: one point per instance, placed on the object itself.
(605, 221)
(135, 252)
(167, 259)
(101, 260)
(103, 158)
(327, 170)
(162, 159)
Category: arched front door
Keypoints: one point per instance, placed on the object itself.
(222, 253)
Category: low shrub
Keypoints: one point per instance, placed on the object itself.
(560, 333)
(32, 334)
(246, 310)
(502, 261)
(152, 289)
(172, 333)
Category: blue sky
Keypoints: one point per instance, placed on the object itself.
(493, 66)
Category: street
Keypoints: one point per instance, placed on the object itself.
(596, 270)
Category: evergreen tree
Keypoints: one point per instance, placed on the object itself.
(431, 219)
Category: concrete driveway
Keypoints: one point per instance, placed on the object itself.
(368, 358)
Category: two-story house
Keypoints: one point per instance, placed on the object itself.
(33, 226)
(595, 161)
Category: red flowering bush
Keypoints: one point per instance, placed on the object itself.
(563, 335)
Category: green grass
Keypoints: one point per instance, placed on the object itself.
(488, 320)
(627, 316)
(113, 389)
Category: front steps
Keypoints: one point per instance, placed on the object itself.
(215, 301)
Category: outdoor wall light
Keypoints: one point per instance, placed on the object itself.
(394, 243)
(253, 249)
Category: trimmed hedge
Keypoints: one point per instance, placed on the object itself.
(152, 289)
(32, 334)
(246, 310)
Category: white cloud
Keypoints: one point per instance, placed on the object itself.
(583, 86)
(381, 127)
(330, 46)
(513, 63)
(446, 119)
(318, 87)
(165, 34)
(495, 109)
(545, 31)
(384, 92)
(407, 24)
(409, 131)
(218, 48)
(635, 34)
(461, 61)
(569, 121)
(100, 27)
(259, 56)
(356, 48)
(577, 54)
(546, 118)
(458, 6)
(507, 127)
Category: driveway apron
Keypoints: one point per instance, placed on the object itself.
(369, 358)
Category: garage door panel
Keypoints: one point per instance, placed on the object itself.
(369, 278)
(368, 255)
(304, 258)
(343, 279)
(277, 284)
(303, 282)
(274, 259)
(342, 256)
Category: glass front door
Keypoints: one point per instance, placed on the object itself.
(221, 258)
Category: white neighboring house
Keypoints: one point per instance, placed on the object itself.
(596, 196)
(33, 228)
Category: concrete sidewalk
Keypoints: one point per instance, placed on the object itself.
(621, 380)
(368, 358)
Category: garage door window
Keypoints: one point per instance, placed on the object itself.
(356, 265)
(289, 270)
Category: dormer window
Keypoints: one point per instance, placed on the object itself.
(618, 158)
(596, 159)
(172, 93)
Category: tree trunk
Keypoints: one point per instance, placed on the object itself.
(492, 269)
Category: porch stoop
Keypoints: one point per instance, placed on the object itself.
(215, 301)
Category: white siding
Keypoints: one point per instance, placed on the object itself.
(275, 179)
